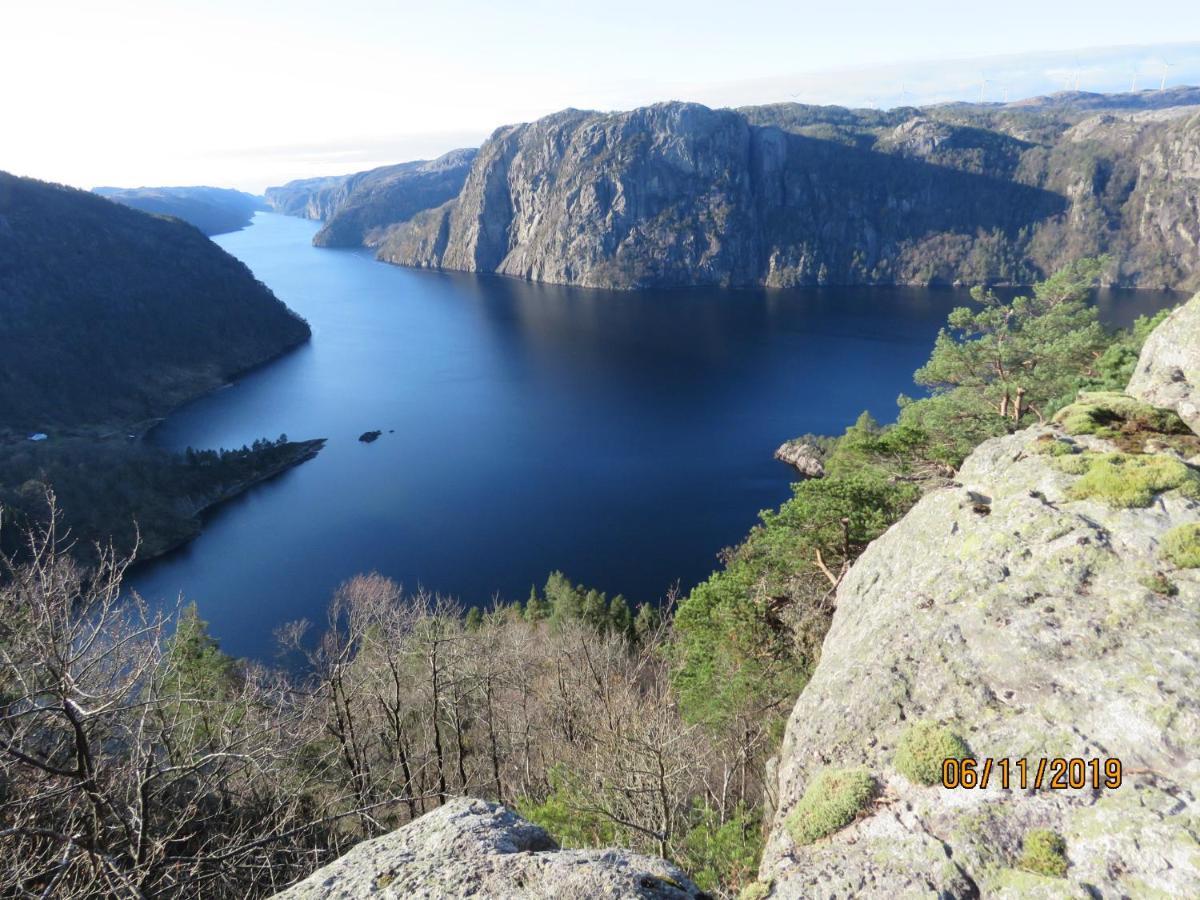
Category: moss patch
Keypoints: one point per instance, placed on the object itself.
(1044, 852)
(1128, 480)
(756, 890)
(1109, 413)
(1048, 445)
(832, 801)
(923, 748)
(1181, 546)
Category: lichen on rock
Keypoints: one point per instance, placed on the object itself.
(472, 848)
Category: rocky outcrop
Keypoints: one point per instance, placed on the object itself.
(806, 458)
(471, 848)
(1168, 370)
(358, 209)
(1031, 623)
(679, 194)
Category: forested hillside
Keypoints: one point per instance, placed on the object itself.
(109, 318)
(109, 315)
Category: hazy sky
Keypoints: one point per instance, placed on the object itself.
(253, 92)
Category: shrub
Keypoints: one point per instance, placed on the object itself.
(923, 748)
(1044, 852)
(1127, 480)
(832, 801)
(1181, 546)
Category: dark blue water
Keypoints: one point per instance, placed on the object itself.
(624, 438)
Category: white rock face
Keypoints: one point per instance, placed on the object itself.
(1029, 625)
(472, 848)
(1168, 371)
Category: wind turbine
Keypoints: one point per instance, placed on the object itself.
(1133, 81)
(1162, 85)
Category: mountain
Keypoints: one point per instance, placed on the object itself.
(679, 194)
(110, 314)
(212, 210)
(358, 208)
(109, 318)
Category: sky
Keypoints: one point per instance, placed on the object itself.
(246, 93)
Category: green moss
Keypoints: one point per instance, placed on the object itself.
(756, 890)
(1158, 583)
(1073, 465)
(923, 748)
(832, 801)
(1048, 445)
(1129, 480)
(1181, 546)
(1044, 852)
(1108, 412)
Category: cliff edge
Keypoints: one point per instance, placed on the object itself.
(1047, 607)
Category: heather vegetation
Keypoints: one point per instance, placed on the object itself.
(139, 760)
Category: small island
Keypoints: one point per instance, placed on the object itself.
(369, 437)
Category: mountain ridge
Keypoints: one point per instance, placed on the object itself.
(677, 194)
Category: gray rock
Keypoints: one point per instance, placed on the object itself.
(1032, 632)
(678, 194)
(1168, 370)
(805, 457)
(472, 848)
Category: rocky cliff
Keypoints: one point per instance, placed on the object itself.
(679, 194)
(471, 848)
(1046, 607)
(357, 209)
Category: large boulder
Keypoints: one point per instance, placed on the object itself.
(1012, 614)
(1168, 371)
(472, 848)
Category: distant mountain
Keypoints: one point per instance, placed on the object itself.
(212, 210)
(357, 209)
(111, 315)
(680, 194)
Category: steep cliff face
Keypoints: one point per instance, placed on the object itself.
(679, 194)
(470, 848)
(1015, 615)
(358, 208)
